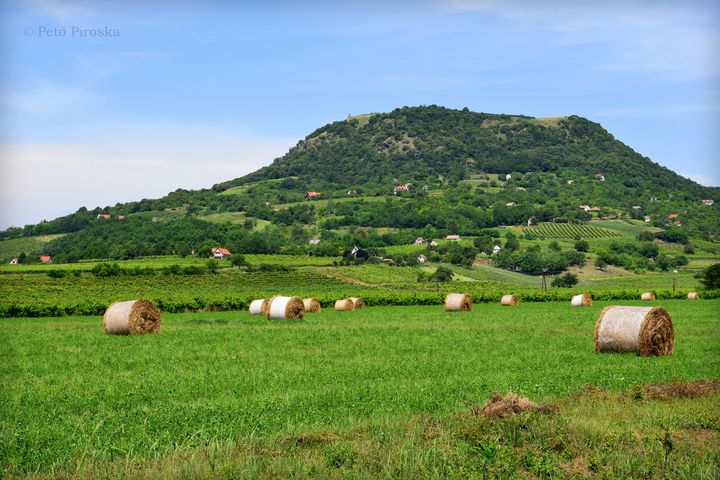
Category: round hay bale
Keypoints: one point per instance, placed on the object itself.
(344, 304)
(693, 296)
(647, 296)
(133, 317)
(286, 308)
(266, 306)
(311, 305)
(509, 301)
(582, 300)
(458, 302)
(643, 330)
(258, 307)
(358, 302)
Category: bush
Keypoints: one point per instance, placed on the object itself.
(567, 280)
(582, 246)
(710, 277)
(442, 274)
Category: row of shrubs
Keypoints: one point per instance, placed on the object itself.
(372, 299)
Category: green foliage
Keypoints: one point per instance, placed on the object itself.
(710, 277)
(535, 261)
(566, 280)
(441, 274)
(582, 246)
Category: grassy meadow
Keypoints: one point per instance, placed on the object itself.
(384, 392)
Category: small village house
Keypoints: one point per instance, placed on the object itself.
(433, 243)
(510, 204)
(312, 195)
(585, 207)
(707, 202)
(314, 241)
(220, 253)
(496, 249)
(419, 241)
(15, 261)
(673, 215)
(402, 188)
(46, 259)
(121, 217)
(453, 238)
(595, 209)
(600, 176)
(422, 259)
(104, 216)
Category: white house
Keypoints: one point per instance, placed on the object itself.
(314, 241)
(707, 202)
(422, 259)
(433, 243)
(496, 249)
(508, 176)
(647, 218)
(419, 241)
(219, 252)
(14, 261)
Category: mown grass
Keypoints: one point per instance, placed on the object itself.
(75, 399)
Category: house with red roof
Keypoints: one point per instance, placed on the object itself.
(46, 259)
(311, 195)
(104, 216)
(453, 238)
(219, 252)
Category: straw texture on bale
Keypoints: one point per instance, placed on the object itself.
(265, 310)
(344, 304)
(133, 317)
(311, 305)
(509, 301)
(258, 307)
(642, 330)
(582, 300)
(358, 302)
(647, 296)
(693, 296)
(458, 302)
(286, 308)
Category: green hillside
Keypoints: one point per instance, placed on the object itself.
(464, 173)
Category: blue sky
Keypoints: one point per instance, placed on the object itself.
(187, 94)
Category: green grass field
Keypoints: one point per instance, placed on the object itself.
(383, 392)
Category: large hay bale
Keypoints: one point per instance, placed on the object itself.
(258, 307)
(286, 308)
(693, 296)
(344, 304)
(509, 301)
(582, 300)
(458, 302)
(266, 306)
(643, 330)
(311, 305)
(358, 302)
(133, 317)
(647, 296)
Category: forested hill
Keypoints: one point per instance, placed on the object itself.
(414, 143)
(429, 171)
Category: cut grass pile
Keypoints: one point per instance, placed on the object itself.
(378, 392)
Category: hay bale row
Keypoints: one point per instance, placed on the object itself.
(649, 296)
(582, 300)
(458, 302)
(358, 302)
(693, 296)
(133, 317)
(509, 301)
(642, 330)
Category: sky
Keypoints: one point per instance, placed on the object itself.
(112, 101)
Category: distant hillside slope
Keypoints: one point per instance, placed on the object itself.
(421, 142)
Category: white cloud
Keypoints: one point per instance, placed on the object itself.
(43, 181)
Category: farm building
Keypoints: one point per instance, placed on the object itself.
(419, 241)
(219, 252)
(104, 216)
(311, 195)
(707, 202)
(453, 238)
(46, 259)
